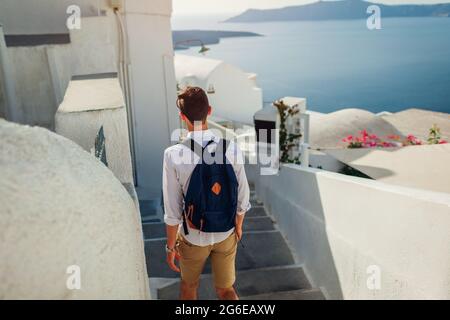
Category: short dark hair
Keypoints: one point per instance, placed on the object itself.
(193, 103)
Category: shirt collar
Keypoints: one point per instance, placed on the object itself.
(201, 136)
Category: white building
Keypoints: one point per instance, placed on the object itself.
(39, 59)
(352, 238)
(232, 93)
(39, 73)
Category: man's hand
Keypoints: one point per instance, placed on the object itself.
(171, 257)
(238, 233)
(238, 225)
(171, 244)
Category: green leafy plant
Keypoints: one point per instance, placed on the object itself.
(434, 135)
(287, 140)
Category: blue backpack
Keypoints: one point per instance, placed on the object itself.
(210, 202)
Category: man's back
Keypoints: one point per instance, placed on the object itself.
(194, 247)
(179, 163)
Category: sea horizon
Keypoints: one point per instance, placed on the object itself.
(339, 64)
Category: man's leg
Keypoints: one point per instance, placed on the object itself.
(192, 261)
(223, 257)
(226, 294)
(188, 291)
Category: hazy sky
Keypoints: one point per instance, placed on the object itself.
(186, 7)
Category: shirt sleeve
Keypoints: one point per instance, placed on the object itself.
(172, 193)
(243, 204)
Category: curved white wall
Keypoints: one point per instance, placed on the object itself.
(235, 98)
(340, 226)
(59, 207)
(328, 130)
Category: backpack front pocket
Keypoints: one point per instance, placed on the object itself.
(217, 221)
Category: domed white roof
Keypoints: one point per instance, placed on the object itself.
(327, 130)
(60, 207)
(197, 68)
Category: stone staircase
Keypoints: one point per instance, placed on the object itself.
(265, 266)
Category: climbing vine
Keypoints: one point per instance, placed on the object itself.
(287, 140)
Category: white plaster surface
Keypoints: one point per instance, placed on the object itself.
(59, 207)
(92, 94)
(154, 7)
(152, 74)
(418, 122)
(328, 130)
(42, 73)
(44, 16)
(87, 106)
(425, 166)
(236, 95)
(339, 226)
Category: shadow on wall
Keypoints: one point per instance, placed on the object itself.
(374, 172)
(360, 238)
(305, 231)
(2, 102)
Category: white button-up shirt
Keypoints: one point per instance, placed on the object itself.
(177, 169)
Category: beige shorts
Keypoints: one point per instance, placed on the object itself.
(223, 257)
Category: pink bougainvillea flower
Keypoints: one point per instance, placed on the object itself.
(388, 144)
(366, 139)
(443, 142)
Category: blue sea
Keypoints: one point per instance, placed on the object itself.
(341, 64)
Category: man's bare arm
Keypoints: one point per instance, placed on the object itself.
(171, 235)
(239, 222)
(173, 206)
(171, 243)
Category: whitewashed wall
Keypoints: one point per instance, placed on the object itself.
(2, 101)
(90, 104)
(60, 207)
(153, 88)
(42, 73)
(235, 96)
(339, 226)
(43, 16)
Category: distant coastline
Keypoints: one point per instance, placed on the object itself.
(339, 10)
(206, 36)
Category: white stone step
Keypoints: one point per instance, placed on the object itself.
(301, 294)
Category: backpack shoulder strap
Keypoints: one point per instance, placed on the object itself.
(195, 147)
(222, 148)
